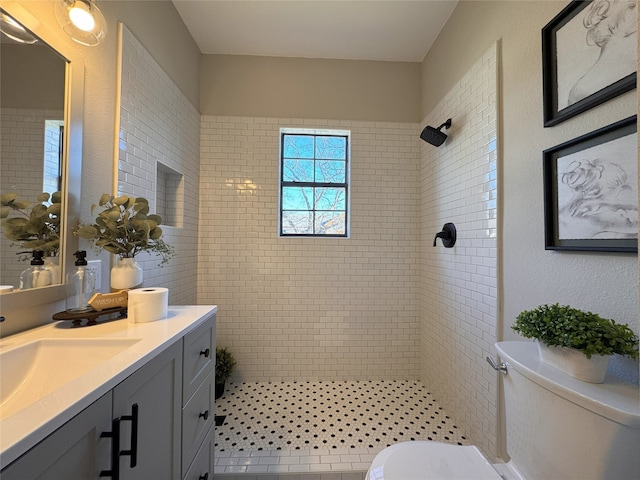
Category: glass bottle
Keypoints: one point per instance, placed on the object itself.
(80, 285)
(37, 275)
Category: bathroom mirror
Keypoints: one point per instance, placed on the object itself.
(41, 104)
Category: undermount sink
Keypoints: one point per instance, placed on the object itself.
(29, 372)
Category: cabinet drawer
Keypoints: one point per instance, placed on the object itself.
(197, 418)
(199, 357)
(202, 466)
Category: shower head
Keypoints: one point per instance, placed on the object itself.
(435, 136)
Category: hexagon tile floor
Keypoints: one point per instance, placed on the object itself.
(298, 427)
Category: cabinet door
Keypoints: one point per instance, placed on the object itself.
(73, 452)
(156, 389)
(202, 466)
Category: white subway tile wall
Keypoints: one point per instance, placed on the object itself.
(22, 142)
(294, 309)
(382, 304)
(159, 126)
(459, 184)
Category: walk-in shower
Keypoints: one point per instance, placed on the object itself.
(320, 426)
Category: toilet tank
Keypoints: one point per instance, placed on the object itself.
(562, 428)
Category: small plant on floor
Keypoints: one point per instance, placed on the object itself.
(564, 326)
(224, 368)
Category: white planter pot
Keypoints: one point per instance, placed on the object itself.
(575, 363)
(53, 264)
(126, 274)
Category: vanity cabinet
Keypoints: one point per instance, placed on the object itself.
(76, 451)
(154, 391)
(162, 414)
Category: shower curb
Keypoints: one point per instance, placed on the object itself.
(292, 476)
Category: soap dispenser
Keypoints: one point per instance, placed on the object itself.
(80, 285)
(37, 275)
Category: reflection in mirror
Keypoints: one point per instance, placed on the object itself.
(26, 309)
(32, 102)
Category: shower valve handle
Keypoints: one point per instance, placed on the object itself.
(448, 235)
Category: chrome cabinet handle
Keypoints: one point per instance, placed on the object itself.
(502, 368)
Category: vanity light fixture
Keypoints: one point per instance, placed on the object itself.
(16, 32)
(82, 20)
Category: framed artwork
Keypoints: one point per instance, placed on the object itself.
(591, 191)
(588, 56)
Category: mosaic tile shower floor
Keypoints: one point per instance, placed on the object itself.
(323, 426)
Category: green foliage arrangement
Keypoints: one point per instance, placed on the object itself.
(125, 227)
(32, 225)
(561, 325)
(224, 364)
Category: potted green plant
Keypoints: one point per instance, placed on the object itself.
(224, 368)
(32, 225)
(124, 227)
(581, 343)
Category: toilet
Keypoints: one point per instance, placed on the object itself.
(557, 428)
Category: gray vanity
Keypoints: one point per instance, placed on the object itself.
(143, 409)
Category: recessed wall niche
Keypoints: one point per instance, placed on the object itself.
(169, 195)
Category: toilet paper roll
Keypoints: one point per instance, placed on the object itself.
(147, 304)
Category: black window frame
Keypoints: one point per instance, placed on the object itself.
(345, 184)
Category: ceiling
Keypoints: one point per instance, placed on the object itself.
(385, 30)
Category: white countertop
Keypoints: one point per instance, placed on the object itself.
(25, 428)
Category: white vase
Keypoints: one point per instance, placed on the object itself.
(53, 264)
(126, 274)
(575, 363)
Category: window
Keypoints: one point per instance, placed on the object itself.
(314, 183)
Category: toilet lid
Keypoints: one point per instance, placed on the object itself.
(422, 460)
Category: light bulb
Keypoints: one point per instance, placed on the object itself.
(81, 17)
(82, 20)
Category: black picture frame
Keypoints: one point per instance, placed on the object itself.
(567, 36)
(589, 200)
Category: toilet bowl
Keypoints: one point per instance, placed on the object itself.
(557, 428)
(421, 460)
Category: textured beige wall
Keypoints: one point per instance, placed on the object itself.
(159, 28)
(310, 88)
(529, 275)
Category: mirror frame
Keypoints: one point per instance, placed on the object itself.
(29, 300)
